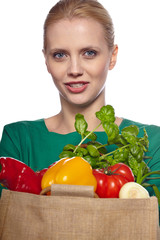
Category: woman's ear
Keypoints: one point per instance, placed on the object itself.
(113, 57)
(44, 54)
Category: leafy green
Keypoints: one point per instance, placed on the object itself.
(80, 124)
(137, 151)
(65, 154)
(111, 129)
(129, 147)
(91, 135)
(130, 133)
(106, 114)
(119, 141)
(133, 164)
(121, 155)
(99, 146)
(82, 151)
(93, 151)
(92, 161)
(69, 147)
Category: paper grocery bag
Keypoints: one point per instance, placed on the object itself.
(72, 213)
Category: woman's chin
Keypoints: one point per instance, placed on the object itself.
(80, 101)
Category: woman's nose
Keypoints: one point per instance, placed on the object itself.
(75, 67)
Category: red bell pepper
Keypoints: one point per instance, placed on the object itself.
(17, 176)
(41, 173)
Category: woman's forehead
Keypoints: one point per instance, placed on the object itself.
(78, 29)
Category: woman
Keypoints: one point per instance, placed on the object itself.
(79, 51)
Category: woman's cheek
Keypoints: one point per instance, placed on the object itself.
(100, 71)
(58, 72)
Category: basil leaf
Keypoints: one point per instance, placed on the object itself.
(137, 151)
(83, 151)
(79, 154)
(106, 114)
(132, 129)
(109, 159)
(93, 151)
(130, 133)
(112, 130)
(119, 141)
(133, 164)
(80, 124)
(91, 160)
(99, 146)
(140, 156)
(92, 135)
(121, 155)
(115, 161)
(68, 154)
(69, 147)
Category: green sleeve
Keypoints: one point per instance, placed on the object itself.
(9, 145)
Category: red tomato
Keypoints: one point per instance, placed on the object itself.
(123, 170)
(110, 181)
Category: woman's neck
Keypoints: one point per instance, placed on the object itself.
(64, 121)
(89, 115)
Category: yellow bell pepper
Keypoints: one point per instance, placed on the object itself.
(75, 171)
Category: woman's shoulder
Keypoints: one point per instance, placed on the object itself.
(128, 122)
(153, 131)
(25, 125)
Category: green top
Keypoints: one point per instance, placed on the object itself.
(32, 143)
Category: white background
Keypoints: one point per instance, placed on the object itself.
(26, 89)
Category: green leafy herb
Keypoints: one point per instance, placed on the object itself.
(93, 151)
(106, 114)
(90, 135)
(69, 147)
(112, 130)
(130, 134)
(66, 154)
(129, 147)
(80, 124)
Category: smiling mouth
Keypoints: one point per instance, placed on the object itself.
(76, 87)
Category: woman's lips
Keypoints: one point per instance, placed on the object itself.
(76, 87)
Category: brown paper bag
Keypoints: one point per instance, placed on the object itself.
(72, 213)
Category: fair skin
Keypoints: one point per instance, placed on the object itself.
(78, 59)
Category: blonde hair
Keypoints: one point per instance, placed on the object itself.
(68, 9)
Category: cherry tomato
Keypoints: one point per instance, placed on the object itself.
(110, 181)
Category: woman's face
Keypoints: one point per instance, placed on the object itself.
(78, 59)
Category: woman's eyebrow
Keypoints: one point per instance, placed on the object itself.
(58, 50)
(90, 47)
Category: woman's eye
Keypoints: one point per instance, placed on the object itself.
(59, 55)
(90, 53)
